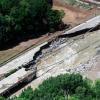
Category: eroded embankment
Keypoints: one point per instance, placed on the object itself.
(53, 57)
(66, 56)
(85, 51)
(61, 39)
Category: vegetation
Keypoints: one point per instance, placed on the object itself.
(63, 87)
(2, 98)
(26, 17)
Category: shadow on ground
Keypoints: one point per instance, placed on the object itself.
(27, 36)
(80, 32)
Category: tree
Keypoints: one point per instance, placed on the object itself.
(54, 18)
(21, 17)
(2, 98)
(72, 86)
(73, 98)
(97, 89)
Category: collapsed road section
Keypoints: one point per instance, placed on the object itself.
(19, 77)
(26, 74)
(86, 25)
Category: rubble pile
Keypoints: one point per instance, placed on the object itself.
(86, 66)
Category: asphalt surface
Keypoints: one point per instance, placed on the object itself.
(28, 56)
(19, 61)
(80, 54)
(86, 25)
(70, 56)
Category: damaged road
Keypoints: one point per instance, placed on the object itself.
(79, 54)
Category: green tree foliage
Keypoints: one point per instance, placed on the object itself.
(1, 98)
(20, 17)
(54, 19)
(72, 98)
(63, 87)
(97, 89)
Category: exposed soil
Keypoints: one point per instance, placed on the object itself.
(72, 16)
(80, 54)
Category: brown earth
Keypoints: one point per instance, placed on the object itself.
(75, 15)
(72, 16)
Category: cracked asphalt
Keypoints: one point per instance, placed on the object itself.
(80, 54)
